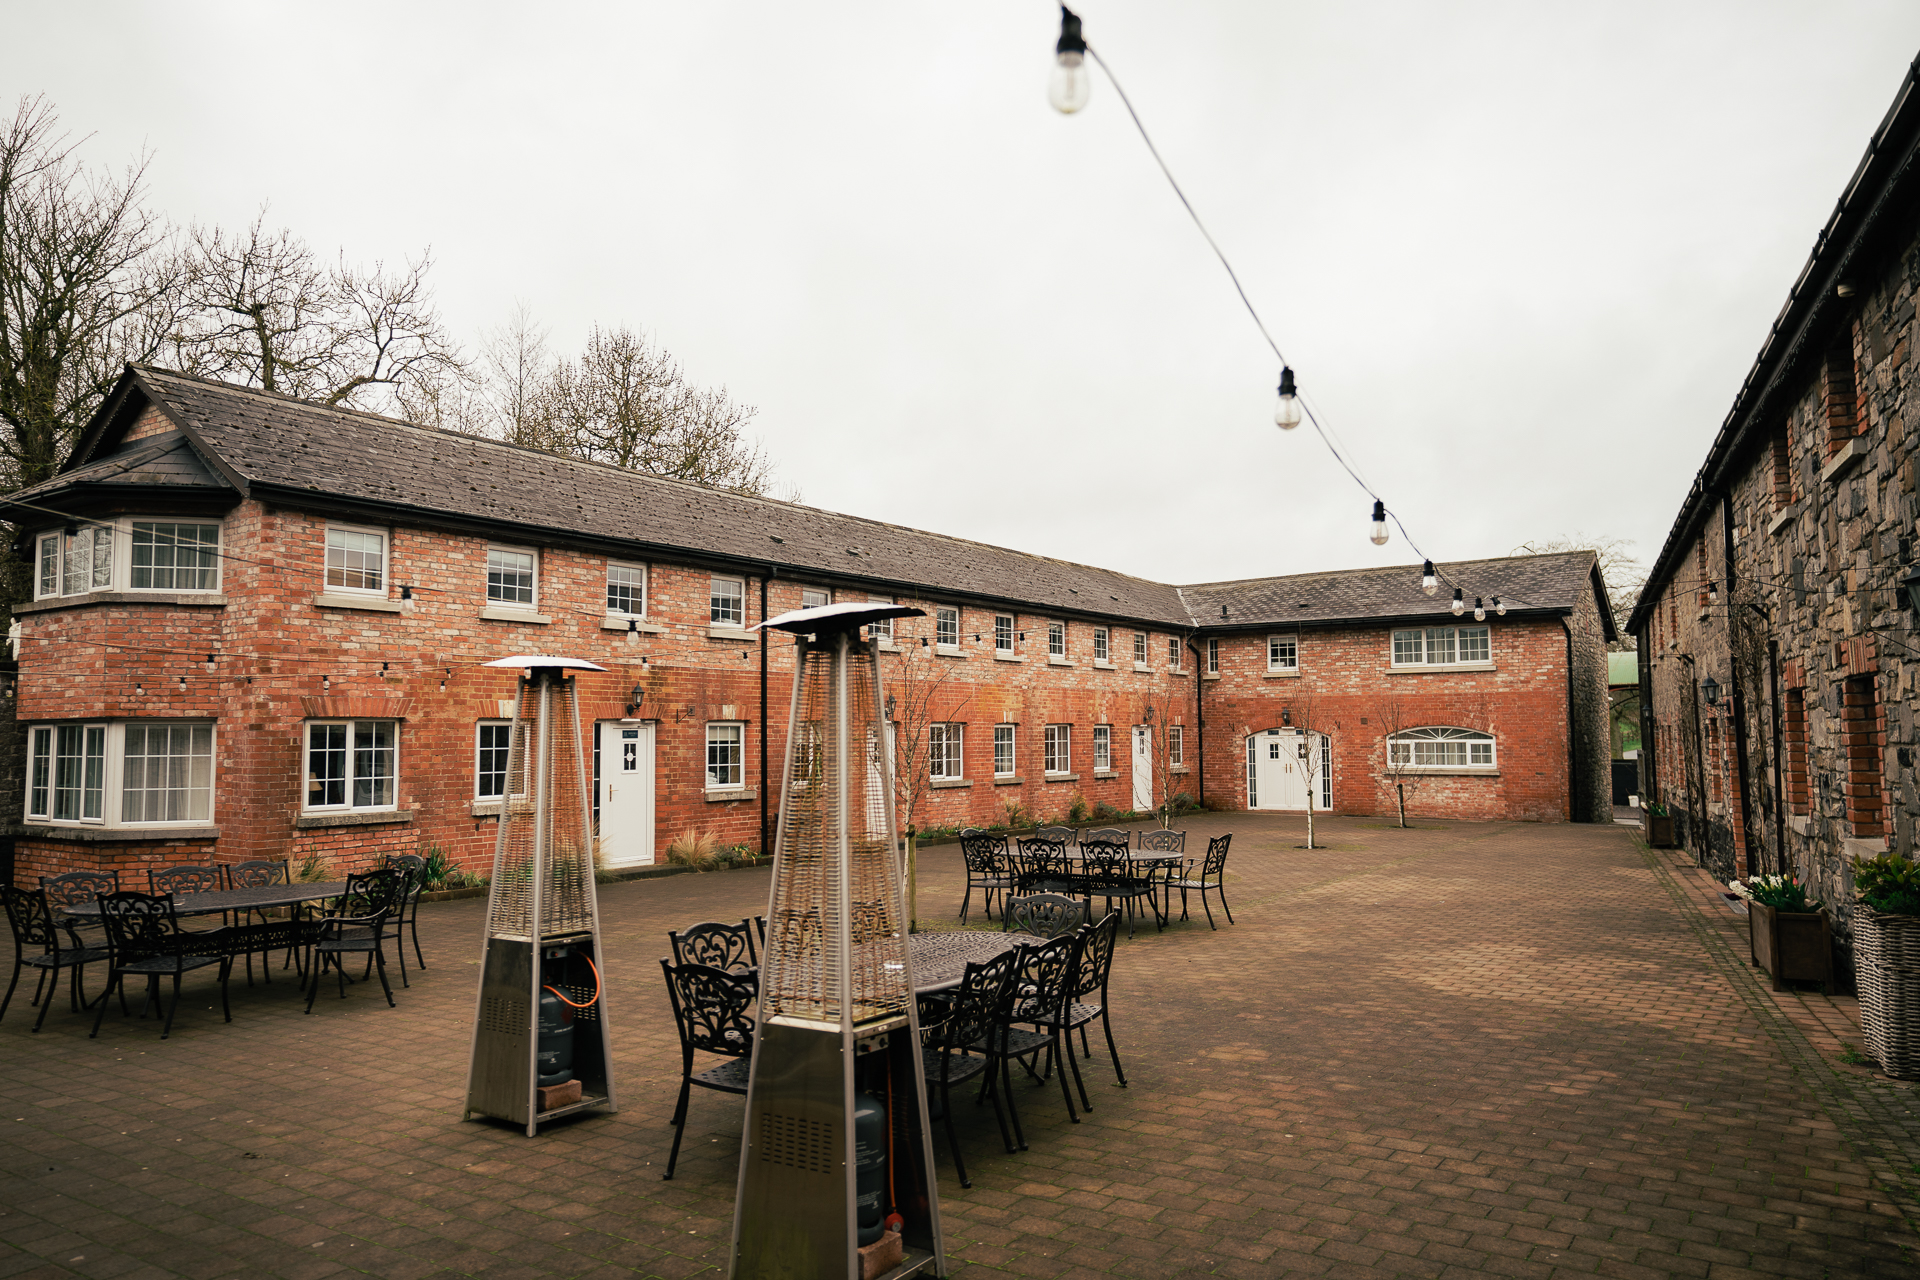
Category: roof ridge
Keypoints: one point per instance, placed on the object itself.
(1415, 568)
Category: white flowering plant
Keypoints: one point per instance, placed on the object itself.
(1782, 893)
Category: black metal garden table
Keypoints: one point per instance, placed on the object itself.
(940, 959)
(237, 900)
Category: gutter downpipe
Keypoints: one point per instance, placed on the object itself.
(1779, 792)
(1572, 773)
(766, 842)
(1649, 765)
(1733, 678)
(1199, 714)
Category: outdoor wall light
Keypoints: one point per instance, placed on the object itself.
(1071, 83)
(1710, 690)
(1429, 583)
(1459, 604)
(891, 704)
(1146, 717)
(1286, 716)
(1286, 415)
(635, 697)
(1379, 534)
(1910, 588)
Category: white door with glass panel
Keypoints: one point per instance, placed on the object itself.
(1277, 770)
(625, 793)
(1142, 767)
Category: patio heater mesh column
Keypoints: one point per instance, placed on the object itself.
(837, 1026)
(541, 1044)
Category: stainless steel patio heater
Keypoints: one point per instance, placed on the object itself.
(542, 1047)
(836, 1161)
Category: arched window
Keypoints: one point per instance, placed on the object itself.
(1441, 748)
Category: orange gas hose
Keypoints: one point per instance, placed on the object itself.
(562, 997)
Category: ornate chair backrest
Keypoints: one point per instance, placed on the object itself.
(1159, 841)
(1216, 862)
(31, 919)
(187, 879)
(139, 924)
(1042, 978)
(976, 1002)
(1106, 835)
(1105, 864)
(1096, 955)
(1045, 915)
(983, 853)
(1065, 835)
(412, 869)
(1042, 856)
(371, 897)
(258, 873)
(718, 946)
(713, 1008)
(77, 888)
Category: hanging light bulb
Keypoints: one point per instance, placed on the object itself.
(407, 603)
(633, 634)
(1070, 85)
(1500, 606)
(1459, 605)
(1428, 582)
(1713, 593)
(1479, 610)
(1379, 534)
(1286, 415)
(209, 664)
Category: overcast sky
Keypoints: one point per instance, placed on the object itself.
(1520, 255)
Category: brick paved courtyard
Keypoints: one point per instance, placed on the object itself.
(1461, 1050)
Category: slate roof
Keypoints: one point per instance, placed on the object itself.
(274, 446)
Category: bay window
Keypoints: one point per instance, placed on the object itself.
(128, 554)
(162, 773)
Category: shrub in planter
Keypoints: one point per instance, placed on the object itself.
(1886, 931)
(1787, 935)
(1659, 825)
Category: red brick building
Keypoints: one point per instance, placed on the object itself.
(259, 625)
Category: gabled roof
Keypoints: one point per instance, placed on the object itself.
(294, 452)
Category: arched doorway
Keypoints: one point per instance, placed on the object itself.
(1280, 776)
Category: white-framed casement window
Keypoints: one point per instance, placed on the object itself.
(1173, 653)
(356, 560)
(75, 562)
(1003, 751)
(1139, 648)
(492, 748)
(352, 765)
(1213, 657)
(513, 577)
(1176, 745)
(726, 755)
(130, 554)
(814, 597)
(120, 774)
(946, 760)
(1100, 646)
(1442, 748)
(1283, 653)
(627, 589)
(881, 628)
(1442, 646)
(1003, 633)
(946, 627)
(727, 602)
(1056, 639)
(1058, 749)
(1102, 748)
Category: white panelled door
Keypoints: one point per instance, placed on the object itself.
(1277, 777)
(626, 793)
(1142, 767)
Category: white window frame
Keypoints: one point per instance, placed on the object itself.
(386, 559)
(1102, 645)
(1140, 650)
(943, 615)
(1213, 655)
(479, 734)
(1056, 639)
(1103, 748)
(1058, 756)
(881, 628)
(1403, 749)
(1003, 632)
(714, 584)
(1283, 653)
(1006, 752)
(739, 765)
(523, 606)
(629, 567)
(112, 571)
(1422, 641)
(352, 777)
(815, 597)
(112, 737)
(1174, 655)
(947, 751)
(1176, 746)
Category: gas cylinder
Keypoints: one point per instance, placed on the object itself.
(555, 1063)
(869, 1165)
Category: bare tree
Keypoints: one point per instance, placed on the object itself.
(1619, 567)
(919, 700)
(516, 372)
(1396, 759)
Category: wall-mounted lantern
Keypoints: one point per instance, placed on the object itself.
(1710, 689)
(1286, 716)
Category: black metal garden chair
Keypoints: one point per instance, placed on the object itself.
(357, 925)
(714, 1011)
(46, 944)
(1160, 854)
(1110, 874)
(406, 913)
(1065, 835)
(80, 888)
(1211, 878)
(259, 873)
(1092, 965)
(960, 1047)
(1036, 994)
(148, 942)
(729, 947)
(188, 878)
(1106, 835)
(1044, 915)
(989, 869)
(1043, 866)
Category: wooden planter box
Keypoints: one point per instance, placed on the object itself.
(1660, 831)
(1792, 946)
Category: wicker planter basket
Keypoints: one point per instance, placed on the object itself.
(1887, 968)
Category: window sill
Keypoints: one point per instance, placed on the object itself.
(1801, 826)
(1851, 848)
(888, 646)
(507, 613)
(485, 808)
(1177, 768)
(1100, 775)
(949, 784)
(723, 794)
(1283, 675)
(366, 818)
(1432, 668)
(111, 835)
(1843, 459)
(1055, 660)
(1009, 780)
(1445, 771)
(1007, 657)
(1101, 664)
(370, 604)
(619, 621)
(204, 599)
(731, 633)
(948, 651)
(1061, 777)
(1211, 675)
(1780, 522)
